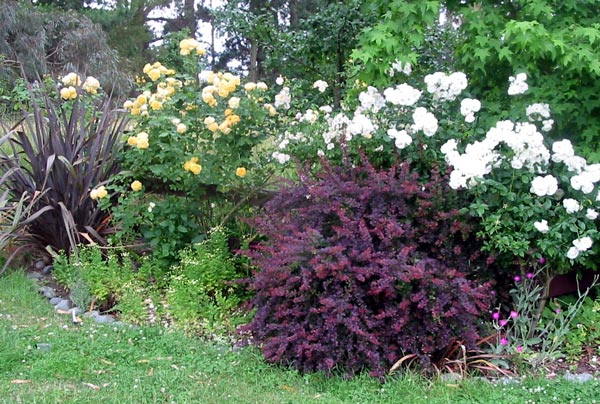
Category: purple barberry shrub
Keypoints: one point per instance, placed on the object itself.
(359, 267)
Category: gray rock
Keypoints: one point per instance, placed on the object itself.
(47, 269)
(104, 319)
(92, 313)
(47, 292)
(63, 305)
(579, 377)
(55, 300)
(39, 265)
(42, 346)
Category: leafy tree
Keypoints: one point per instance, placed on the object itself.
(54, 42)
(296, 38)
(557, 43)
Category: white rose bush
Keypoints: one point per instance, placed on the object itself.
(535, 198)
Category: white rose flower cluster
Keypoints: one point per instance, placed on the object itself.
(446, 87)
(371, 100)
(468, 107)
(425, 121)
(403, 94)
(518, 84)
(579, 245)
(283, 99)
(481, 157)
(586, 175)
(320, 85)
(399, 67)
(540, 112)
(361, 125)
(401, 138)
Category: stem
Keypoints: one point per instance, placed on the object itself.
(543, 301)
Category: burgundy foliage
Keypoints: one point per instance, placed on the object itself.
(360, 267)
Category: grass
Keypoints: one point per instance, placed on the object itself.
(98, 363)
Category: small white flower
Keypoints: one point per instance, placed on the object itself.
(542, 226)
(151, 206)
(279, 80)
(591, 214)
(321, 85)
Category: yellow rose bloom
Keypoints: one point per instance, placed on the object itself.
(209, 120)
(154, 74)
(155, 105)
(142, 144)
(141, 99)
(132, 141)
(234, 102)
(223, 92)
(250, 86)
(181, 128)
(142, 136)
(196, 169)
(102, 192)
(262, 86)
(136, 186)
(71, 79)
(91, 85)
(213, 127)
(135, 111)
(147, 68)
(175, 121)
(68, 93)
(98, 193)
(240, 172)
(233, 119)
(128, 104)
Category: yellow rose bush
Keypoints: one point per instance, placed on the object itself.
(194, 145)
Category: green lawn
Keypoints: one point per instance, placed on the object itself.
(105, 364)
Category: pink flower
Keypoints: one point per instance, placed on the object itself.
(529, 275)
(517, 278)
(557, 311)
(519, 349)
(503, 341)
(514, 314)
(503, 323)
(542, 261)
(496, 316)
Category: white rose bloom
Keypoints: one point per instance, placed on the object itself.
(279, 80)
(591, 214)
(542, 186)
(542, 226)
(425, 121)
(583, 243)
(571, 205)
(572, 253)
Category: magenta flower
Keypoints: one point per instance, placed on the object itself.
(542, 261)
(496, 316)
(557, 311)
(514, 314)
(517, 278)
(503, 341)
(503, 323)
(529, 275)
(519, 349)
